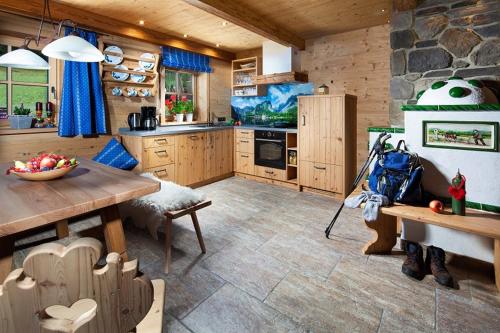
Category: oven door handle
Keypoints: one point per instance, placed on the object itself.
(271, 140)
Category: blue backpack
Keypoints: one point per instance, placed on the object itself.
(398, 175)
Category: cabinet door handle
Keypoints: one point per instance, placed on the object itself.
(319, 168)
(244, 156)
(193, 137)
(157, 172)
(244, 132)
(158, 152)
(160, 140)
(245, 141)
(303, 120)
(269, 172)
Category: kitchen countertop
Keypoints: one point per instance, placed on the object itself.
(181, 129)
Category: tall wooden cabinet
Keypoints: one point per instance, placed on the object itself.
(327, 142)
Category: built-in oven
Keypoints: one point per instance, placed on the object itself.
(270, 149)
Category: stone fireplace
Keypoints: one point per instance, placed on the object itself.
(439, 39)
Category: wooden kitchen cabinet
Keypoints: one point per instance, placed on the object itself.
(272, 173)
(219, 153)
(187, 159)
(190, 161)
(244, 163)
(327, 142)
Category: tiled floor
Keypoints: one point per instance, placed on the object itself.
(269, 268)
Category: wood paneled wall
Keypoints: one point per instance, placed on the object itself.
(357, 63)
(24, 146)
(220, 88)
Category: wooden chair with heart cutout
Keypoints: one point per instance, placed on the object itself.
(62, 289)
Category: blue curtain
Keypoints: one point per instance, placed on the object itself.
(176, 58)
(82, 103)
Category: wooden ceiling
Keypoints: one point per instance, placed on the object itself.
(302, 18)
(176, 18)
(315, 18)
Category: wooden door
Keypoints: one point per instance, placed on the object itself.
(218, 153)
(190, 162)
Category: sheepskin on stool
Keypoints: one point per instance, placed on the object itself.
(148, 211)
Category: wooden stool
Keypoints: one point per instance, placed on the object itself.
(172, 215)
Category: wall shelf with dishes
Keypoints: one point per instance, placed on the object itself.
(128, 73)
(244, 77)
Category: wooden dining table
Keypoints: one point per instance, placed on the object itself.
(27, 205)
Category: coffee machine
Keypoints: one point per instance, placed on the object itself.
(134, 121)
(148, 118)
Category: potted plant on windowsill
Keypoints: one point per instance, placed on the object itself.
(175, 107)
(21, 118)
(188, 108)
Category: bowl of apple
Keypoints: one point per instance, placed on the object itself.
(43, 167)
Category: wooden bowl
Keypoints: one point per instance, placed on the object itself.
(45, 175)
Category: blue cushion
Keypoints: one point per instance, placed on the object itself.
(115, 155)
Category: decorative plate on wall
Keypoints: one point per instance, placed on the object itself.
(147, 65)
(120, 76)
(136, 77)
(113, 59)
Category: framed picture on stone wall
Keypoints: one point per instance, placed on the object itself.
(468, 135)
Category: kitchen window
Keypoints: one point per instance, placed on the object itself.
(23, 86)
(178, 84)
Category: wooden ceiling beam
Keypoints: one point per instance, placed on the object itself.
(108, 25)
(249, 20)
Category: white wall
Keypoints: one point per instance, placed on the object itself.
(483, 181)
(276, 58)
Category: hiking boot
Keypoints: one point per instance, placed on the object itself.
(414, 264)
(434, 262)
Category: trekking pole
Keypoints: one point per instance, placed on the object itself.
(377, 150)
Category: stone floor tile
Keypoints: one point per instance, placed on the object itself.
(172, 325)
(396, 323)
(251, 271)
(302, 253)
(231, 310)
(185, 291)
(387, 288)
(316, 304)
(458, 314)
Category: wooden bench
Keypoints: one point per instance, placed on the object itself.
(172, 215)
(475, 222)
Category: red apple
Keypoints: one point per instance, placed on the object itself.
(48, 162)
(436, 206)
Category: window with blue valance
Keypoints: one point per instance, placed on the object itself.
(176, 58)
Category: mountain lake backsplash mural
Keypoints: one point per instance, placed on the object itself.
(278, 107)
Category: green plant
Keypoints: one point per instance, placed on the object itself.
(188, 106)
(21, 111)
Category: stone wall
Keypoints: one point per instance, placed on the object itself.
(439, 39)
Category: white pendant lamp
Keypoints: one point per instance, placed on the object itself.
(73, 48)
(23, 58)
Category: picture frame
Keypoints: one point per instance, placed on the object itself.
(462, 135)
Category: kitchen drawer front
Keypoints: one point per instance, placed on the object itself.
(154, 157)
(271, 173)
(165, 172)
(243, 133)
(244, 163)
(327, 177)
(158, 141)
(244, 145)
